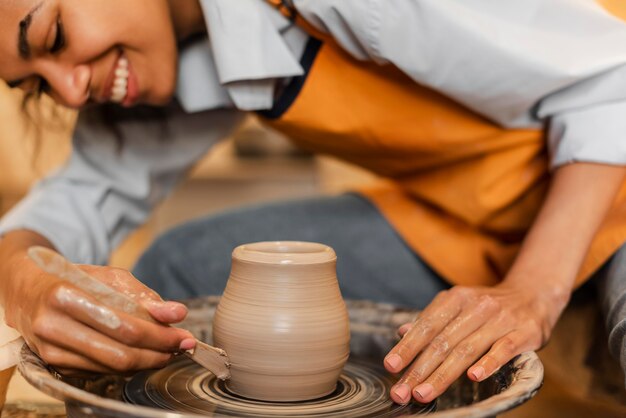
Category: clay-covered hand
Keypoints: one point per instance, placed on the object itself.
(473, 329)
(71, 330)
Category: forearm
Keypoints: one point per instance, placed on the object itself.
(577, 202)
(13, 247)
(483, 327)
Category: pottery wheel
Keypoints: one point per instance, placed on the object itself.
(183, 386)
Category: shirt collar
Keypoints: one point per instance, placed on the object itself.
(250, 46)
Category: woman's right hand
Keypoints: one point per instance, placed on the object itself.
(71, 330)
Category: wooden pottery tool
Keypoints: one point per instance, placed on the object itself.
(211, 358)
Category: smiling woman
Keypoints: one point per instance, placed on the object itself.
(504, 159)
(72, 50)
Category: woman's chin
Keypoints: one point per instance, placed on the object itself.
(161, 98)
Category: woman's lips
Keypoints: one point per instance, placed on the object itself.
(132, 88)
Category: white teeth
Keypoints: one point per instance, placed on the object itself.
(118, 99)
(120, 83)
(121, 72)
(118, 96)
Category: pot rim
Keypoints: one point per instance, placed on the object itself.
(284, 253)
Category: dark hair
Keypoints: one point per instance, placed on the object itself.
(113, 114)
(41, 114)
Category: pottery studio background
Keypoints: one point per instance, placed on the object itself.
(257, 165)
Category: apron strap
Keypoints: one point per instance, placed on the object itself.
(286, 7)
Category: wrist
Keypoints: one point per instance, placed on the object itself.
(15, 266)
(548, 294)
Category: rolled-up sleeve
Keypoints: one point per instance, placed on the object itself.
(103, 192)
(596, 134)
(587, 120)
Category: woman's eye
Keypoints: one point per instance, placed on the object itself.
(59, 40)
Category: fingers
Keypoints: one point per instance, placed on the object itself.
(71, 344)
(124, 282)
(166, 312)
(68, 363)
(441, 347)
(500, 354)
(505, 348)
(460, 358)
(477, 330)
(404, 328)
(117, 325)
(444, 308)
(72, 330)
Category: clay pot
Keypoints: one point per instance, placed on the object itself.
(283, 322)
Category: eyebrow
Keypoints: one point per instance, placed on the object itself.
(23, 47)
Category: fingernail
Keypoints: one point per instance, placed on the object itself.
(423, 391)
(402, 393)
(402, 331)
(478, 372)
(187, 344)
(394, 362)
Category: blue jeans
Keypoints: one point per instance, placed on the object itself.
(611, 281)
(373, 261)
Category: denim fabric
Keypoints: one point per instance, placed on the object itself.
(373, 261)
(612, 289)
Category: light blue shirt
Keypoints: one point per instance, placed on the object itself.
(518, 63)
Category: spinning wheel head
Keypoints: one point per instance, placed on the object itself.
(362, 391)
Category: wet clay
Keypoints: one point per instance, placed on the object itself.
(69, 297)
(211, 358)
(283, 322)
(214, 359)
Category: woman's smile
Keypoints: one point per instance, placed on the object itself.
(80, 52)
(121, 85)
(117, 88)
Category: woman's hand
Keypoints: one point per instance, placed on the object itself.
(473, 329)
(71, 330)
(483, 328)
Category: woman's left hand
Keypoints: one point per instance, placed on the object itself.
(478, 329)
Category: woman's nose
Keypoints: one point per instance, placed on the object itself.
(70, 85)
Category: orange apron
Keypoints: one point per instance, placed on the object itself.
(460, 190)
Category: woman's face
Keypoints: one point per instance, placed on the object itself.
(81, 51)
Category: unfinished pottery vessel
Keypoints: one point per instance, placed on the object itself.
(283, 322)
